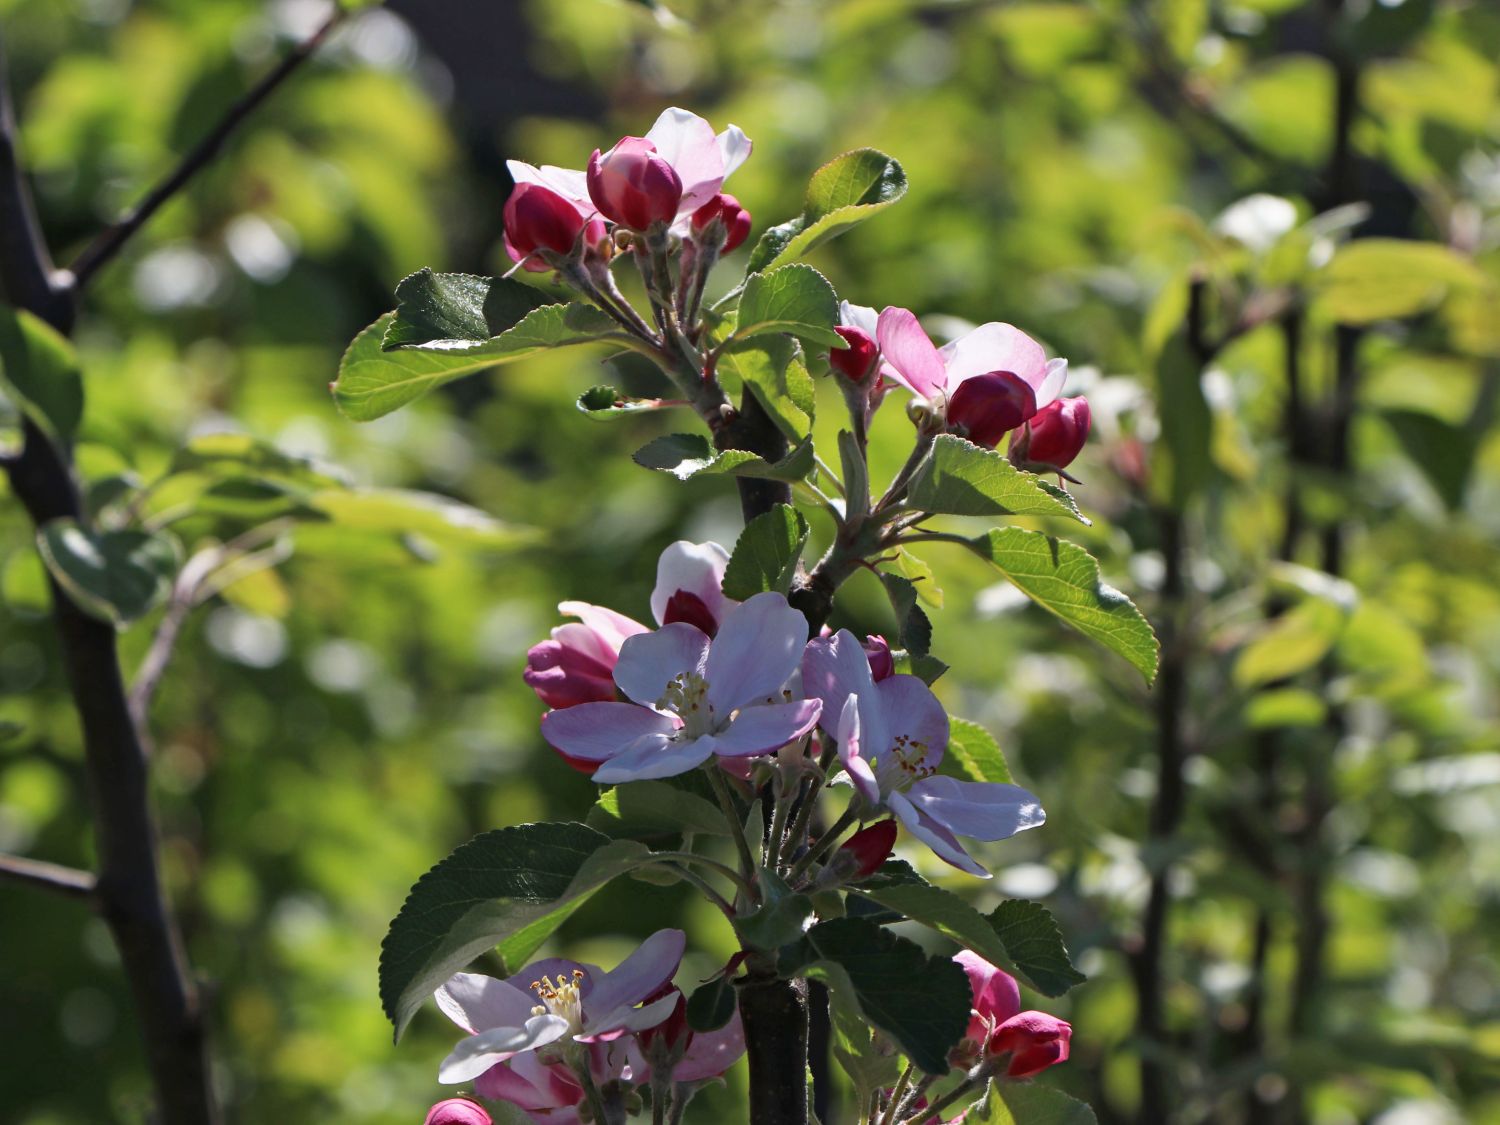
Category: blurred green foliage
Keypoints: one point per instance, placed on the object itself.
(330, 729)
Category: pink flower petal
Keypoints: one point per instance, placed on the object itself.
(597, 732)
(651, 965)
(566, 182)
(836, 667)
(758, 648)
(997, 996)
(650, 758)
(711, 1053)
(610, 627)
(476, 1054)
(697, 568)
(985, 810)
(943, 843)
(650, 661)
(765, 727)
(914, 714)
(477, 1003)
(916, 364)
(996, 347)
(1052, 382)
(851, 752)
(734, 148)
(687, 142)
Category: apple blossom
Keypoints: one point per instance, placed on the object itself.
(632, 186)
(734, 221)
(862, 854)
(457, 1111)
(565, 1001)
(1055, 436)
(891, 738)
(695, 696)
(547, 1091)
(542, 221)
(1012, 376)
(1029, 1041)
(691, 1056)
(878, 653)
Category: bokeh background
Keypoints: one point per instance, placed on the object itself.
(1332, 884)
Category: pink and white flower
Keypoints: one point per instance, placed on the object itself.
(891, 738)
(988, 381)
(564, 1002)
(998, 1027)
(695, 696)
(548, 211)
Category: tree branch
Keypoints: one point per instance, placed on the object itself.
(67, 881)
(109, 241)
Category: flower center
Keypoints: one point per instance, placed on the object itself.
(561, 997)
(687, 697)
(905, 765)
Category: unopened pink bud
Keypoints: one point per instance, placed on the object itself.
(537, 218)
(989, 406)
(727, 209)
(457, 1111)
(633, 186)
(869, 848)
(857, 357)
(878, 653)
(673, 1033)
(1058, 432)
(564, 675)
(1034, 1041)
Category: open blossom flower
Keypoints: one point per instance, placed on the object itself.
(692, 1055)
(891, 738)
(563, 1001)
(988, 381)
(1033, 1041)
(577, 663)
(695, 696)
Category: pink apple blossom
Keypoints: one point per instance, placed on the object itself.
(457, 1111)
(891, 738)
(695, 696)
(1030, 1041)
(1055, 436)
(733, 218)
(633, 186)
(548, 211)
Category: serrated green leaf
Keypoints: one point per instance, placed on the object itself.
(1025, 1103)
(372, 382)
(959, 478)
(781, 917)
(854, 1046)
(919, 1000)
(772, 369)
(921, 577)
(849, 189)
(1063, 579)
(39, 371)
(766, 554)
(794, 299)
(687, 455)
(434, 307)
(1035, 946)
(913, 629)
(116, 576)
(510, 888)
(396, 511)
(654, 808)
(973, 754)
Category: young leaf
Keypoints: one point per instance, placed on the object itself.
(687, 455)
(921, 1001)
(240, 455)
(654, 808)
(854, 1045)
(856, 477)
(372, 382)
(1025, 1103)
(794, 299)
(1063, 579)
(772, 369)
(1291, 643)
(511, 887)
(781, 918)
(973, 754)
(711, 1005)
(1373, 279)
(433, 307)
(766, 554)
(605, 404)
(116, 576)
(400, 512)
(39, 371)
(844, 192)
(1035, 946)
(959, 478)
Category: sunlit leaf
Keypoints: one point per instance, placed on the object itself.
(117, 576)
(844, 192)
(688, 455)
(766, 554)
(959, 478)
(794, 299)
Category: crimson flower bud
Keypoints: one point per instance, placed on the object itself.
(1034, 1041)
(868, 849)
(1058, 431)
(457, 1111)
(565, 675)
(688, 607)
(727, 209)
(633, 186)
(537, 218)
(878, 653)
(855, 360)
(989, 406)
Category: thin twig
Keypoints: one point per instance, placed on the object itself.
(736, 829)
(54, 877)
(109, 241)
(822, 844)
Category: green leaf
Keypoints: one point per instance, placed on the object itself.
(434, 307)
(1063, 579)
(913, 629)
(240, 455)
(921, 577)
(1025, 1103)
(1185, 451)
(512, 887)
(766, 554)
(372, 382)
(116, 576)
(654, 808)
(844, 192)
(1444, 452)
(856, 477)
(780, 919)
(711, 1005)
(1035, 946)
(795, 299)
(958, 478)
(973, 754)
(772, 369)
(605, 404)
(39, 371)
(401, 512)
(920, 1000)
(687, 455)
(1291, 643)
(1373, 279)
(855, 1046)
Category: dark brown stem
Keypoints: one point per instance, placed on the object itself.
(774, 1012)
(109, 241)
(54, 877)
